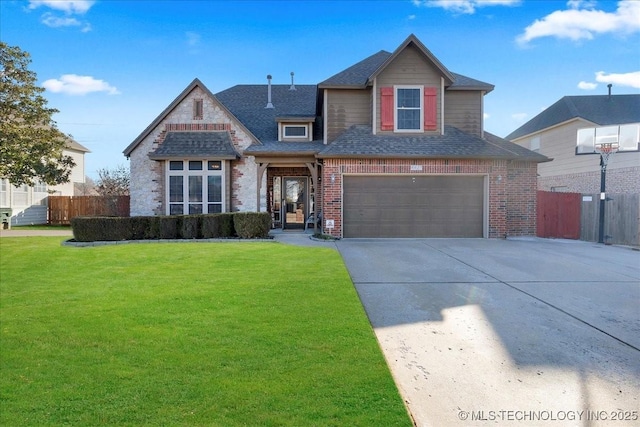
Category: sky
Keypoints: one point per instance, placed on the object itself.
(111, 67)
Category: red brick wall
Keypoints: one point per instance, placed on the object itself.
(511, 199)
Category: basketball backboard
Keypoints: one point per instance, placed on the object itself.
(626, 137)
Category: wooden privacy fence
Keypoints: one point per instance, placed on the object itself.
(621, 219)
(558, 215)
(576, 216)
(63, 208)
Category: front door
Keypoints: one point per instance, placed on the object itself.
(294, 203)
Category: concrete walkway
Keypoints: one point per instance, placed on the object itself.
(26, 233)
(530, 332)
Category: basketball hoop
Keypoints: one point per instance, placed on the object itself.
(606, 149)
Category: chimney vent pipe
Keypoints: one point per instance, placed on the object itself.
(269, 104)
(293, 86)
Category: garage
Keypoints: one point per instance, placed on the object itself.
(413, 206)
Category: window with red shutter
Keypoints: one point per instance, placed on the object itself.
(430, 108)
(386, 108)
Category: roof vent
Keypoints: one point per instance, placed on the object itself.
(609, 86)
(269, 104)
(292, 87)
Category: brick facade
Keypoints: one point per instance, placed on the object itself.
(511, 194)
(621, 181)
(148, 176)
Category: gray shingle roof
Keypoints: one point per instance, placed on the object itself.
(358, 75)
(285, 148)
(358, 141)
(195, 144)
(599, 109)
(247, 103)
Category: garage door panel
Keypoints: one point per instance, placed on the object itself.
(413, 206)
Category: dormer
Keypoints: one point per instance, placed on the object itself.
(295, 128)
(409, 91)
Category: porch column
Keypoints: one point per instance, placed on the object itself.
(313, 168)
(261, 168)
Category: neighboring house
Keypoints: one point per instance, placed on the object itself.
(29, 203)
(554, 131)
(393, 146)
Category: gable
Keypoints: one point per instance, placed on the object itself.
(183, 110)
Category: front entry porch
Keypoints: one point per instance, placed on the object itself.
(292, 193)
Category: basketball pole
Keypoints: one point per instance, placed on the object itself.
(603, 179)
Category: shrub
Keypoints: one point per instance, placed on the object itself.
(99, 228)
(218, 226)
(252, 225)
(169, 226)
(140, 227)
(191, 227)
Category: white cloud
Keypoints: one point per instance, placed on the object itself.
(69, 9)
(627, 79)
(67, 6)
(587, 86)
(467, 7)
(411, 17)
(73, 84)
(583, 21)
(485, 116)
(519, 117)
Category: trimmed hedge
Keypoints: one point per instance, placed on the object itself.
(246, 225)
(250, 225)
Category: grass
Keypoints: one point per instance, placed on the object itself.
(215, 334)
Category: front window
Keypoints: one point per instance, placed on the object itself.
(195, 187)
(40, 193)
(408, 108)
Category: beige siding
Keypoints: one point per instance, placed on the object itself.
(573, 171)
(346, 108)
(463, 109)
(409, 68)
(559, 143)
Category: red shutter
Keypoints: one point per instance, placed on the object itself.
(430, 108)
(386, 108)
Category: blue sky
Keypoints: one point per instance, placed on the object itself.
(112, 66)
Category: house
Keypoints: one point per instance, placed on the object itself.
(554, 131)
(28, 204)
(392, 146)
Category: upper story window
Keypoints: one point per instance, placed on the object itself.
(408, 108)
(198, 109)
(534, 144)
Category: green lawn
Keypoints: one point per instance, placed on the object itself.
(215, 334)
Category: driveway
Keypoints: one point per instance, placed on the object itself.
(505, 332)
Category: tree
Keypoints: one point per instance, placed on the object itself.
(30, 143)
(114, 182)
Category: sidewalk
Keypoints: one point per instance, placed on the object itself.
(27, 233)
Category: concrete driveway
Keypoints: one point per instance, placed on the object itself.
(505, 332)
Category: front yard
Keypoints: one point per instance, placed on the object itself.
(216, 334)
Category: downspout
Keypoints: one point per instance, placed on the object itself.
(374, 109)
(441, 105)
(325, 110)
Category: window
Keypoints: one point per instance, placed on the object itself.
(295, 131)
(21, 195)
(408, 108)
(192, 189)
(534, 144)
(4, 199)
(198, 109)
(40, 193)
